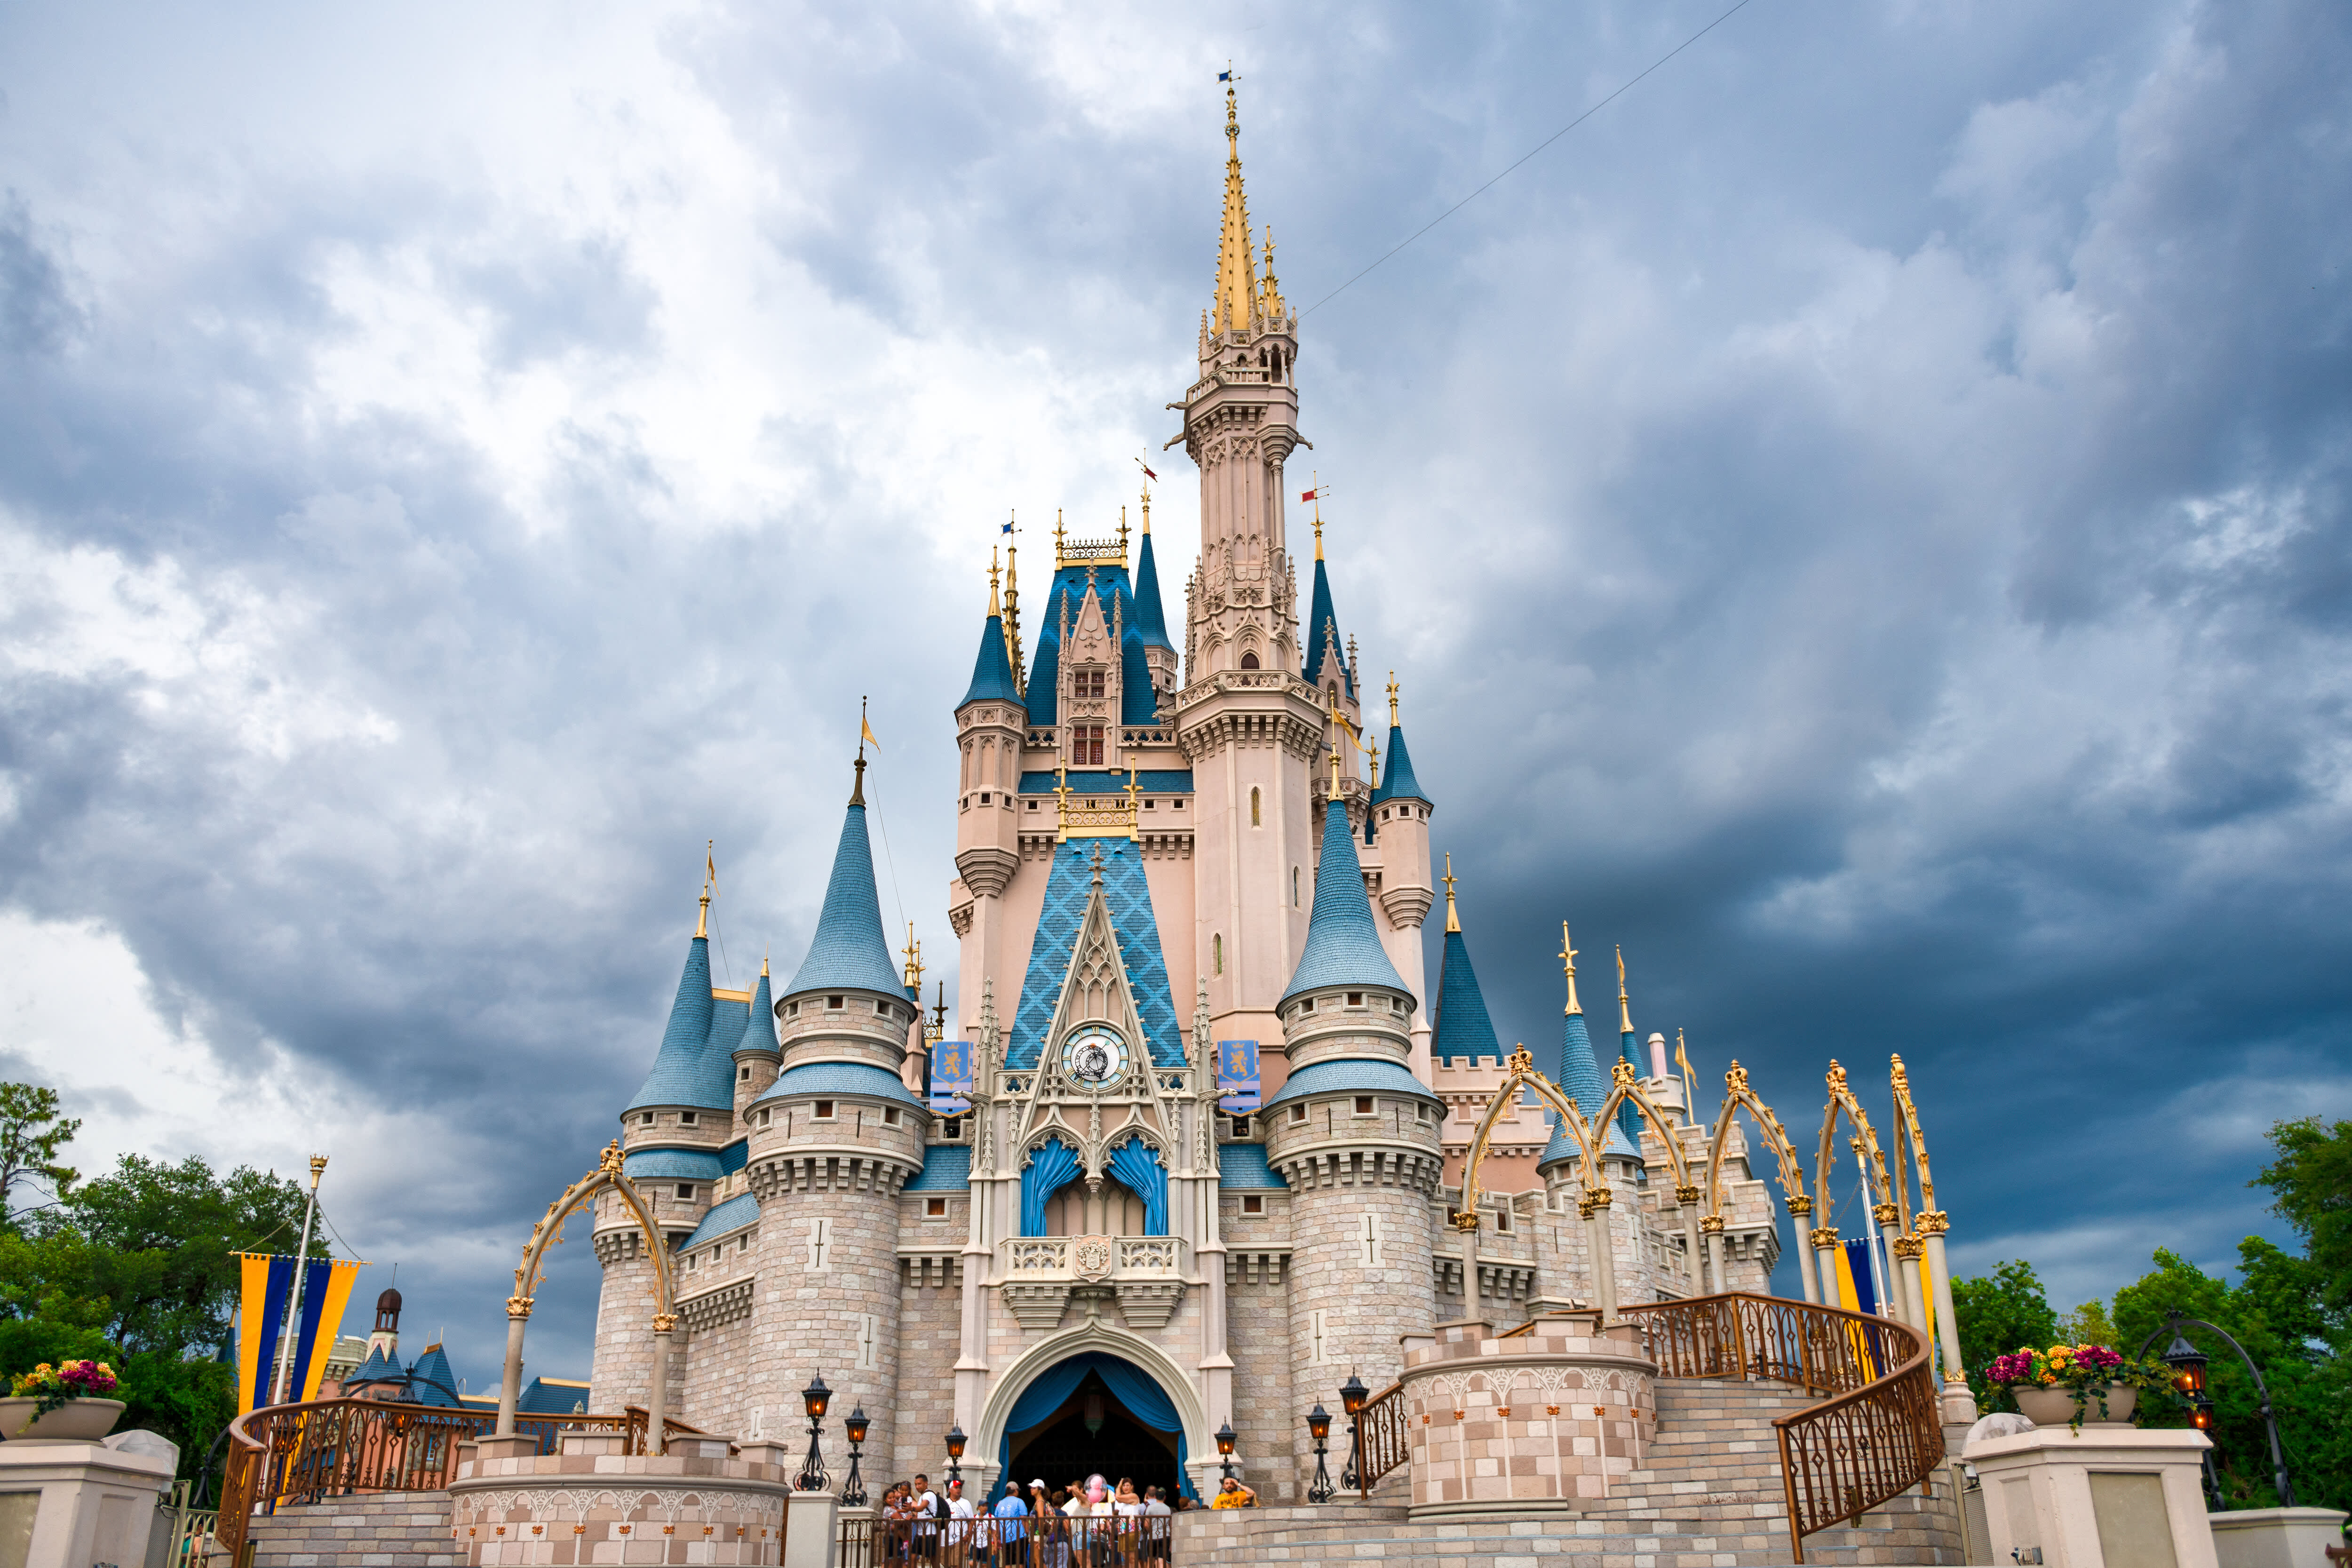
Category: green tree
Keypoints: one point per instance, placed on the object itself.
(31, 1133)
(1998, 1313)
(2311, 1189)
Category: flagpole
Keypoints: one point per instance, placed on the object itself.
(294, 1292)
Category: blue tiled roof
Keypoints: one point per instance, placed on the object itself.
(542, 1397)
(435, 1384)
(681, 1164)
(759, 1030)
(1139, 704)
(724, 1219)
(1321, 635)
(992, 671)
(1148, 616)
(1579, 1078)
(841, 1077)
(947, 1168)
(1354, 1075)
(1343, 945)
(1129, 897)
(686, 1071)
(1397, 782)
(735, 1156)
(1463, 1029)
(377, 1364)
(1151, 781)
(849, 951)
(1242, 1168)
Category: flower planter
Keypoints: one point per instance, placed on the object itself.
(76, 1421)
(2055, 1406)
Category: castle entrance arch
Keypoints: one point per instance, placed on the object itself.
(1094, 1400)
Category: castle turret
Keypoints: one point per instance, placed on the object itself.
(1396, 821)
(756, 1056)
(831, 1142)
(1150, 619)
(990, 722)
(1355, 1135)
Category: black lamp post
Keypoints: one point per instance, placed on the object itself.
(815, 1398)
(854, 1494)
(1352, 1394)
(1319, 1426)
(2188, 1363)
(956, 1440)
(1225, 1449)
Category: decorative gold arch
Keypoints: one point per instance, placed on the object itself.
(1925, 1240)
(1625, 1087)
(531, 1273)
(1521, 1074)
(1737, 1093)
(1864, 1140)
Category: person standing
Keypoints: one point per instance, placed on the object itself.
(959, 1531)
(1010, 1531)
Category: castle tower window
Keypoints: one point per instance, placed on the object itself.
(832, 1004)
(1355, 998)
(1249, 660)
(1086, 683)
(952, 1129)
(646, 1119)
(821, 1110)
(685, 1191)
(935, 1208)
(1297, 1113)
(1363, 1105)
(1216, 961)
(889, 1116)
(1087, 745)
(1253, 1203)
(686, 1119)
(764, 1115)
(1241, 1126)
(1294, 886)
(743, 1073)
(1254, 822)
(792, 1009)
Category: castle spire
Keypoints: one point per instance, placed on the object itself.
(992, 669)
(686, 1071)
(1624, 1002)
(1567, 960)
(1464, 1030)
(1150, 620)
(1453, 920)
(849, 951)
(1343, 945)
(1237, 303)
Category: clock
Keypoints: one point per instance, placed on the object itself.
(1095, 1056)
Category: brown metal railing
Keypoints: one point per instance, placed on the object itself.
(1383, 1441)
(334, 1448)
(1874, 1439)
(1049, 1540)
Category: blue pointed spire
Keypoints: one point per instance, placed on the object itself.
(1148, 617)
(849, 951)
(1397, 782)
(1343, 945)
(686, 1071)
(1463, 1029)
(992, 673)
(759, 1033)
(1321, 632)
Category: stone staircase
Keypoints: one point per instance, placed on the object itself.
(1708, 1494)
(384, 1530)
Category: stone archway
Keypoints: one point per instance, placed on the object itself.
(1199, 1447)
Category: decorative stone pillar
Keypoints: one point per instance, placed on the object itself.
(1959, 1402)
(2104, 1496)
(1800, 1208)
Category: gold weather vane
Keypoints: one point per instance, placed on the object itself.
(1453, 920)
(1624, 1002)
(1567, 960)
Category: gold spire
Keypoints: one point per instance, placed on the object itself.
(763, 962)
(1122, 533)
(1625, 1005)
(1057, 537)
(1568, 959)
(1270, 293)
(1335, 769)
(1147, 510)
(914, 952)
(991, 582)
(1453, 920)
(1237, 293)
(858, 790)
(1013, 598)
(709, 882)
(1318, 493)
(1393, 691)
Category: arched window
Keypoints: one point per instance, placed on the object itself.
(1254, 816)
(1216, 954)
(1249, 659)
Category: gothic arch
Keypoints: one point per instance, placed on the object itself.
(1096, 1335)
(1841, 1100)
(1625, 1088)
(1735, 1093)
(1523, 1074)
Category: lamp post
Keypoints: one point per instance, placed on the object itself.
(814, 1398)
(1352, 1394)
(1225, 1449)
(956, 1441)
(1319, 1426)
(853, 1495)
(2188, 1363)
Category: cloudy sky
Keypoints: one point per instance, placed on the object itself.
(1862, 521)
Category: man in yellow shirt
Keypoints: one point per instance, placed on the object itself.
(1232, 1494)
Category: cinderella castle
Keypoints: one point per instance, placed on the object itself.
(1188, 1151)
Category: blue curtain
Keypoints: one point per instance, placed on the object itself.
(1134, 1163)
(1130, 1384)
(1049, 1170)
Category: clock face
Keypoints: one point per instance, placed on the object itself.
(1095, 1056)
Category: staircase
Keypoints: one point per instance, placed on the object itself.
(1708, 1495)
(382, 1530)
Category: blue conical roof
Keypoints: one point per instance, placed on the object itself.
(1321, 634)
(1139, 704)
(687, 1070)
(759, 1033)
(849, 951)
(992, 673)
(1397, 782)
(1463, 1029)
(1148, 617)
(1580, 1079)
(1343, 945)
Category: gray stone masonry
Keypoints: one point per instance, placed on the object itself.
(395, 1530)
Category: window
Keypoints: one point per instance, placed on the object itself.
(1175, 806)
(1363, 1105)
(1297, 1113)
(1241, 1126)
(646, 1119)
(821, 1110)
(1086, 745)
(763, 1117)
(1249, 660)
(1086, 683)
(792, 1009)
(743, 1242)
(1151, 805)
(889, 1116)
(952, 1129)
(1503, 1221)
(1355, 998)
(983, 797)
(1294, 886)
(685, 1191)
(1254, 816)
(743, 1073)
(832, 1004)
(686, 1119)
(1425, 1112)
(1253, 1203)
(692, 1258)
(935, 1208)
(1033, 805)
(1216, 962)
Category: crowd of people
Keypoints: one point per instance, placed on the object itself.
(1091, 1523)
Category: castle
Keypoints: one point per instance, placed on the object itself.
(1109, 1240)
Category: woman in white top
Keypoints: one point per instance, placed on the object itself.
(1128, 1506)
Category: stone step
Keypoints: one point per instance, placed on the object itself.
(386, 1529)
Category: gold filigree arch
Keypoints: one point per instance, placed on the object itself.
(1522, 1075)
(1841, 1100)
(1624, 1088)
(1737, 1093)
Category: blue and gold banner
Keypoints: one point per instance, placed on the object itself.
(266, 1286)
(951, 1077)
(1237, 1079)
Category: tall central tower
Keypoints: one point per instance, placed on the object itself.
(1249, 724)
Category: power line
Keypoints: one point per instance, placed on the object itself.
(1538, 147)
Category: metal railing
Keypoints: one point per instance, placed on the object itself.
(1383, 1441)
(1874, 1439)
(1046, 1540)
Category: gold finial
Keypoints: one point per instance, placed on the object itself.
(1568, 962)
(992, 580)
(1057, 536)
(1335, 770)
(1453, 920)
(1012, 594)
(914, 952)
(709, 886)
(1318, 493)
(1237, 301)
(1901, 1075)
(858, 790)
(1625, 1005)
(1122, 533)
(1147, 512)
(763, 962)
(1392, 701)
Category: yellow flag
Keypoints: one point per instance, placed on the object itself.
(868, 731)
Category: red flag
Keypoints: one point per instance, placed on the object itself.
(1306, 495)
(1147, 470)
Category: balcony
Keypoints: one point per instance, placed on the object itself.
(1039, 1275)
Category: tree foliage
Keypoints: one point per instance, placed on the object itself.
(1999, 1313)
(31, 1133)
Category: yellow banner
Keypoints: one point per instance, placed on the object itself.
(327, 1321)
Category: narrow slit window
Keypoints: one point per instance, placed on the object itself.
(1216, 965)
(1255, 821)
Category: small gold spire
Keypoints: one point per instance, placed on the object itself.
(1392, 705)
(1568, 959)
(1625, 1003)
(914, 952)
(1453, 920)
(1317, 487)
(1122, 533)
(858, 790)
(763, 962)
(991, 582)
(1012, 596)
(1147, 512)
(710, 885)
(1335, 770)
(1057, 536)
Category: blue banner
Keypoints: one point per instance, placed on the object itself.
(951, 1077)
(1237, 1080)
